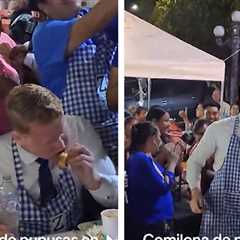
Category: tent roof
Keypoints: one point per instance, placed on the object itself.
(153, 53)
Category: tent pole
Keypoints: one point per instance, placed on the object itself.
(222, 94)
(222, 91)
(149, 93)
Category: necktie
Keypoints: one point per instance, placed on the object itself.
(47, 189)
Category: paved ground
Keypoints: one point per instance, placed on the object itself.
(186, 222)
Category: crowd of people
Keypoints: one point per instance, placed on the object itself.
(58, 94)
(154, 159)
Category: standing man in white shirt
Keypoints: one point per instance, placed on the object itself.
(50, 197)
(221, 204)
(224, 106)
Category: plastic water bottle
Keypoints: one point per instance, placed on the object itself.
(9, 206)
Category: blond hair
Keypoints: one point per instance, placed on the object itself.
(30, 103)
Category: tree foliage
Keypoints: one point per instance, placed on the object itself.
(193, 20)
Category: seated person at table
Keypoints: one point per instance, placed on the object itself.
(50, 194)
(150, 202)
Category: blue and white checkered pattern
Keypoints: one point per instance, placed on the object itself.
(222, 202)
(86, 85)
(34, 219)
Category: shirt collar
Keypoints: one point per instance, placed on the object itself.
(26, 156)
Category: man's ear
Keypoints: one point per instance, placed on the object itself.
(18, 137)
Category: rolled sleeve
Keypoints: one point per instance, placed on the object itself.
(50, 41)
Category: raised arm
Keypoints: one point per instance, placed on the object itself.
(91, 23)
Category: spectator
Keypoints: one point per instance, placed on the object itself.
(184, 116)
(140, 114)
(234, 110)
(212, 111)
(224, 107)
(6, 44)
(132, 109)
(150, 203)
(8, 70)
(129, 123)
(29, 154)
(18, 58)
(77, 68)
(199, 113)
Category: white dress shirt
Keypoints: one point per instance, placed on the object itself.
(224, 110)
(214, 142)
(81, 131)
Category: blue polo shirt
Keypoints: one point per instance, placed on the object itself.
(80, 80)
(50, 41)
(149, 197)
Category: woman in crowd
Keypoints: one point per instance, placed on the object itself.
(129, 123)
(161, 119)
(150, 202)
(199, 112)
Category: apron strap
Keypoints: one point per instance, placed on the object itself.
(17, 164)
(236, 125)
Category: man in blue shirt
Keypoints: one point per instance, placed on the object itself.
(73, 65)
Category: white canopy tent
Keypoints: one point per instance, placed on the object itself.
(153, 53)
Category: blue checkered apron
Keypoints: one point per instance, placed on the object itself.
(86, 85)
(58, 215)
(222, 201)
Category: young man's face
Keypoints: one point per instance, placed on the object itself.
(234, 111)
(59, 9)
(43, 140)
(212, 113)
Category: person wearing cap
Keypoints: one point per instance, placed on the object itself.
(50, 194)
(74, 50)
